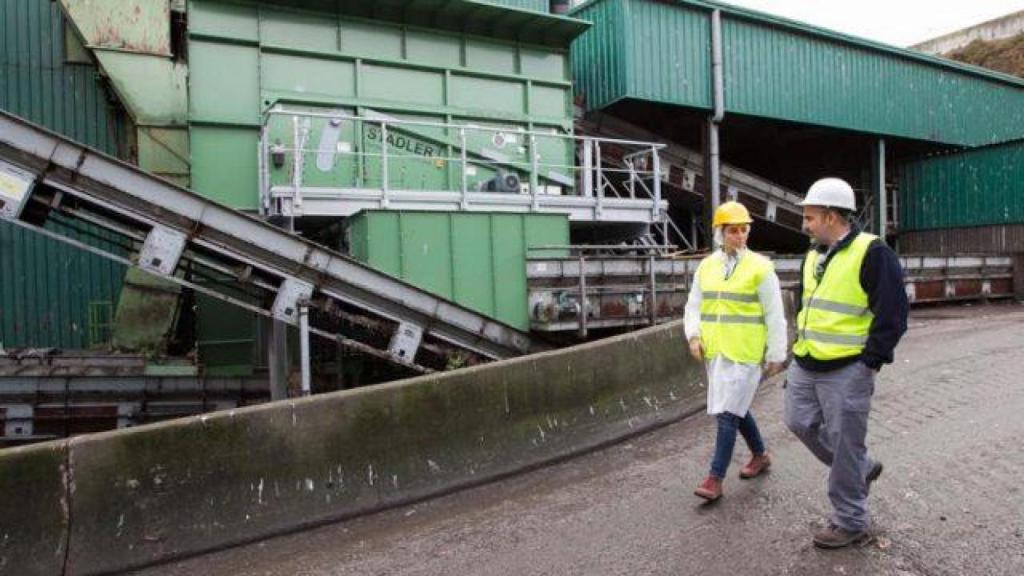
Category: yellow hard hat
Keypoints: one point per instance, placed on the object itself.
(731, 213)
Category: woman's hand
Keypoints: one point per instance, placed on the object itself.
(696, 350)
(773, 368)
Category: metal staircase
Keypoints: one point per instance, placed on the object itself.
(175, 232)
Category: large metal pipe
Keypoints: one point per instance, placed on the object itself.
(718, 112)
(718, 83)
(883, 200)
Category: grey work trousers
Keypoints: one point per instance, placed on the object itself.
(828, 411)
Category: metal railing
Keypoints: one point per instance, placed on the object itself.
(376, 160)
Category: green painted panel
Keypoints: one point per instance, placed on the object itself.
(413, 161)
(161, 98)
(543, 64)
(478, 260)
(224, 165)
(547, 231)
(982, 187)
(402, 85)
(507, 237)
(432, 48)
(164, 152)
(669, 50)
(427, 251)
(215, 94)
(471, 262)
(471, 93)
(599, 54)
(490, 56)
(224, 20)
(131, 25)
(357, 237)
(372, 40)
(47, 288)
(298, 30)
(549, 101)
(313, 76)
(385, 234)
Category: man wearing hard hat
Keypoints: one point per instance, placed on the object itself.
(734, 321)
(852, 313)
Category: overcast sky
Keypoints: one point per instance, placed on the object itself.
(896, 22)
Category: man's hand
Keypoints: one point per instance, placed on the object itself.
(696, 350)
(773, 368)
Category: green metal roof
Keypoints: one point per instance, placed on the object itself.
(504, 19)
(795, 25)
(783, 70)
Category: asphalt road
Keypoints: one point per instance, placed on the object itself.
(947, 420)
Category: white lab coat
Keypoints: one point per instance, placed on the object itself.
(731, 385)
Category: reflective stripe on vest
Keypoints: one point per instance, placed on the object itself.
(735, 297)
(731, 316)
(835, 319)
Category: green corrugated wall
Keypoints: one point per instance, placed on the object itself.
(783, 70)
(982, 187)
(46, 287)
(477, 260)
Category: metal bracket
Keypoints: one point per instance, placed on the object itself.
(286, 304)
(162, 250)
(405, 342)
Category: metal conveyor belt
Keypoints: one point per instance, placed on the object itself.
(43, 175)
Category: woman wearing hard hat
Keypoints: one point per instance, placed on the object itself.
(734, 323)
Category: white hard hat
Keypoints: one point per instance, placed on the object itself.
(831, 193)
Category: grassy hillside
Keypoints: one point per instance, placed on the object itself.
(1005, 55)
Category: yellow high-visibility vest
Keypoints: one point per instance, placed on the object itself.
(834, 319)
(731, 315)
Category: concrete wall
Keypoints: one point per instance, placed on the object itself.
(121, 499)
(1009, 25)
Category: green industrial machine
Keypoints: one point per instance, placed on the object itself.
(477, 260)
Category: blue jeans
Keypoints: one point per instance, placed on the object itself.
(728, 424)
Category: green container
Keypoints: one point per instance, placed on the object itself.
(340, 60)
(476, 260)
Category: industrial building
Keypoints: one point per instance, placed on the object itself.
(501, 178)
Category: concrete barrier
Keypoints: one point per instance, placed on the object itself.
(183, 487)
(33, 509)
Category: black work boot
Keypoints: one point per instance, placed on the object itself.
(832, 537)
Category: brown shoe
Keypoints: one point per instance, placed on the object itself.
(710, 489)
(758, 464)
(832, 537)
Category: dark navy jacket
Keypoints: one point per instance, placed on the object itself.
(881, 277)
